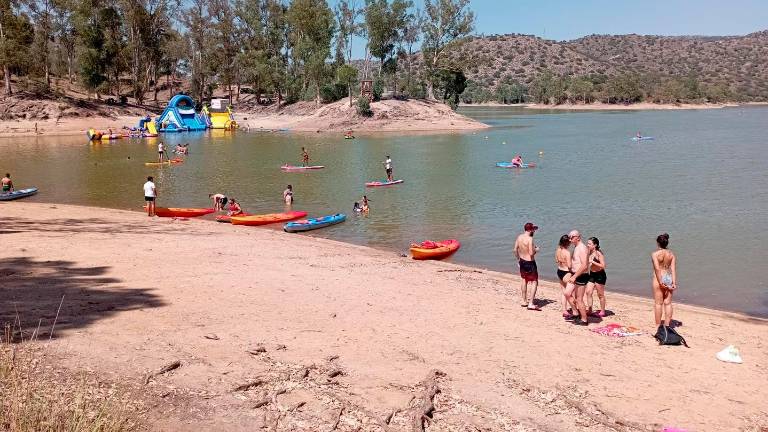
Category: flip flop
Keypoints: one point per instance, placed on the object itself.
(534, 308)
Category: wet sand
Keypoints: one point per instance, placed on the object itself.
(141, 292)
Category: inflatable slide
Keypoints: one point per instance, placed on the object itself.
(220, 115)
(180, 116)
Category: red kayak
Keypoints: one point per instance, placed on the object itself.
(182, 212)
(226, 218)
(266, 219)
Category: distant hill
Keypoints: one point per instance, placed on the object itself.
(739, 63)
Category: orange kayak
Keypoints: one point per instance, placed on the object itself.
(434, 250)
(266, 219)
(226, 218)
(182, 212)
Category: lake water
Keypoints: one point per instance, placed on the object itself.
(703, 180)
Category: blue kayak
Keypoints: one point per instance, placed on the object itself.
(312, 224)
(21, 193)
(509, 165)
(648, 138)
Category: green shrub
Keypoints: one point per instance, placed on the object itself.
(364, 107)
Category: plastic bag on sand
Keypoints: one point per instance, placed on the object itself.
(729, 354)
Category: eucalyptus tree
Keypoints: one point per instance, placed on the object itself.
(446, 21)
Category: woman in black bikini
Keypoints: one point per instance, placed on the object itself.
(563, 261)
(597, 276)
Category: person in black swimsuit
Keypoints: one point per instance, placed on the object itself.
(597, 276)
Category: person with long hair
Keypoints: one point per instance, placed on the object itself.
(564, 273)
(664, 280)
(597, 276)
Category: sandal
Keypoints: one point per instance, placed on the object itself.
(533, 308)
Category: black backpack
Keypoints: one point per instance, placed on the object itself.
(668, 336)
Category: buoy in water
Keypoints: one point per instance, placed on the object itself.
(504, 143)
(541, 153)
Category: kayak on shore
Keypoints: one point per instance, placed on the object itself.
(17, 194)
(430, 250)
(384, 183)
(510, 165)
(227, 218)
(315, 223)
(182, 212)
(266, 219)
(173, 161)
(301, 168)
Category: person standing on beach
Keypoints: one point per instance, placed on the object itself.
(664, 280)
(597, 276)
(563, 261)
(304, 157)
(525, 251)
(580, 268)
(288, 195)
(150, 195)
(160, 152)
(388, 167)
(7, 183)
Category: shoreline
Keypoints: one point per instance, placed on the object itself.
(140, 292)
(319, 123)
(642, 106)
(554, 284)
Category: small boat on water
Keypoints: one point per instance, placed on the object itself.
(301, 168)
(642, 138)
(174, 161)
(315, 223)
(266, 219)
(17, 194)
(383, 183)
(511, 165)
(430, 250)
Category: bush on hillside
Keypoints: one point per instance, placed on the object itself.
(364, 107)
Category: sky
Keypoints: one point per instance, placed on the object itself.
(571, 19)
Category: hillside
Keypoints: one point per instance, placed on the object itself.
(738, 62)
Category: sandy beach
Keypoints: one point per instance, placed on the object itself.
(330, 336)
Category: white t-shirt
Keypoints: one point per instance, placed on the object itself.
(388, 164)
(149, 189)
(159, 149)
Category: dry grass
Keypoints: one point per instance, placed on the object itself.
(35, 395)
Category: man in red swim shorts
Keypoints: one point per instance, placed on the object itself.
(525, 251)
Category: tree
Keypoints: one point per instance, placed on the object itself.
(452, 83)
(446, 21)
(411, 34)
(42, 14)
(347, 16)
(346, 74)
(16, 35)
(199, 50)
(224, 41)
(90, 30)
(311, 30)
(581, 87)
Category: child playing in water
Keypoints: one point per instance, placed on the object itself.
(288, 195)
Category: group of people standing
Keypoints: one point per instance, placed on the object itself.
(581, 270)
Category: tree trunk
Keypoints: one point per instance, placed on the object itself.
(430, 90)
(7, 77)
(317, 94)
(349, 89)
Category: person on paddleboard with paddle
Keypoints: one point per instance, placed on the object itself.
(304, 157)
(160, 152)
(388, 167)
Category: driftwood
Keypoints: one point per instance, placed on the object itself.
(335, 372)
(270, 399)
(390, 416)
(338, 419)
(424, 404)
(163, 370)
(249, 385)
(256, 350)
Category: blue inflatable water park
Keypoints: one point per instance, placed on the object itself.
(180, 116)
